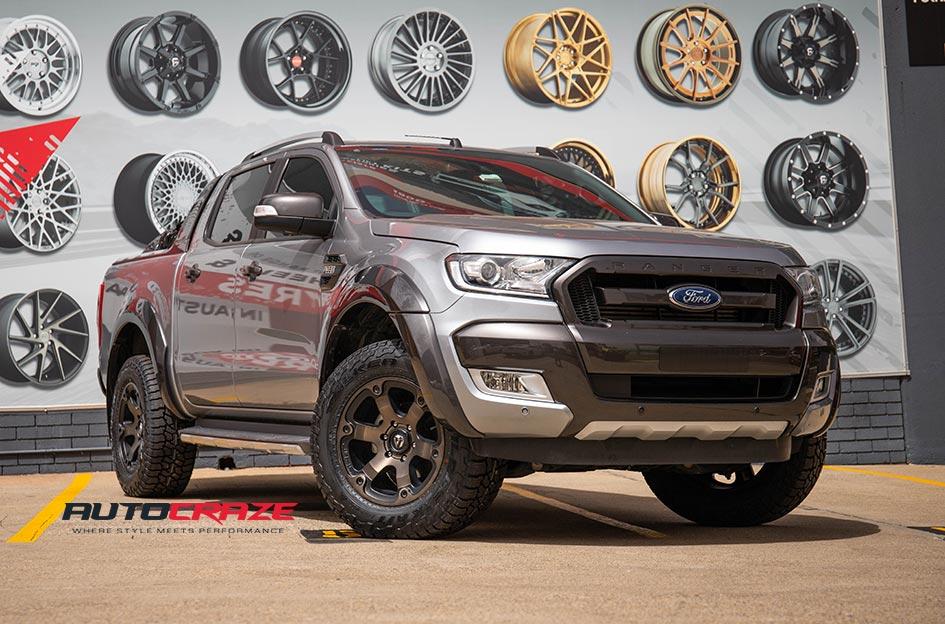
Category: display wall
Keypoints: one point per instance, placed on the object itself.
(743, 150)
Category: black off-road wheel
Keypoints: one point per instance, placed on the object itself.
(743, 496)
(150, 460)
(385, 464)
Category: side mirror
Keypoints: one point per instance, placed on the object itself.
(293, 214)
(665, 219)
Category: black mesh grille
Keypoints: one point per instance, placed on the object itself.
(704, 388)
(583, 300)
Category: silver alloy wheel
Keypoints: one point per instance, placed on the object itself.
(849, 302)
(47, 214)
(41, 65)
(424, 60)
(45, 337)
(173, 186)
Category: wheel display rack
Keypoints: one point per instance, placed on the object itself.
(694, 180)
(587, 157)
(689, 55)
(819, 181)
(424, 60)
(849, 302)
(302, 61)
(44, 337)
(47, 214)
(154, 192)
(809, 52)
(563, 57)
(40, 65)
(169, 63)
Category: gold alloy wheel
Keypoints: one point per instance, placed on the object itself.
(562, 58)
(691, 55)
(587, 157)
(694, 180)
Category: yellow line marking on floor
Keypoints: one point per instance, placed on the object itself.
(591, 515)
(51, 512)
(888, 475)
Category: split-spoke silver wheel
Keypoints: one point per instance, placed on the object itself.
(821, 180)
(695, 180)
(154, 193)
(47, 214)
(810, 52)
(849, 302)
(390, 445)
(424, 60)
(45, 337)
(40, 65)
(168, 63)
(302, 61)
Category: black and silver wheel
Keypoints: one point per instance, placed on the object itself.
(169, 63)
(745, 495)
(302, 61)
(153, 192)
(690, 55)
(384, 462)
(849, 302)
(809, 52)
(423, 60)
(587, 157)
(45, 337)
(820, 181)
(150, 460)
(40, 65)
(47, 213)
(695, 181)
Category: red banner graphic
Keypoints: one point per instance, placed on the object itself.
(23, 154)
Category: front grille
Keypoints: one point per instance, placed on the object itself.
(694, 388)
(632, 297)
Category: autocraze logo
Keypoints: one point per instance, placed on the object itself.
(218, 512)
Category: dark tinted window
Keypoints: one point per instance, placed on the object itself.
(234, 218)
(306, 175)
(407, 182)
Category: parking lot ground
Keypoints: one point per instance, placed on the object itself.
(588, 547)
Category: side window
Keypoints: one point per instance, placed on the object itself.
(234, 218)
(306, 175)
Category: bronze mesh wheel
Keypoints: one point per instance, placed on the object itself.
(586, 156)
(690, 54)
(694, 180)
(562, 58)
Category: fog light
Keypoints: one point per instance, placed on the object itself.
(821, 387)
(519, 384)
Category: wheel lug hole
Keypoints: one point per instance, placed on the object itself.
(376, 390)
(360, 480)
(404, 493)
(346, 429)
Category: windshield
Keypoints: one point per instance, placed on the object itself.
(401, 183)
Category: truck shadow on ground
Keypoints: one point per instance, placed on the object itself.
(513, 519)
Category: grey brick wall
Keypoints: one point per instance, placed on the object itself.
(869, 430)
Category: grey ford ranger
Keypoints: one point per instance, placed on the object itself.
(424, 320)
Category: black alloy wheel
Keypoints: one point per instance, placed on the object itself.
(128, 426)
(169, 63)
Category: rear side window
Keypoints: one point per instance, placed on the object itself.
(234, 219)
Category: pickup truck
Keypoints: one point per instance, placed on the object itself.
(424, 320)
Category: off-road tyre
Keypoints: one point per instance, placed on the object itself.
(464, 486)
(164, 463)
(772, 493)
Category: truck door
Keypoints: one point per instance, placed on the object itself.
(205, 290)
(276, 363)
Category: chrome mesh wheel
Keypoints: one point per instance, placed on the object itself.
(41, 66)
(47, 214)
(587, 157)
(154, 192)
(302, 61)
(809, 52)
(424, 60)
(849, 302)
(45, 337)
(819, 181)
(169, 63)
(695, 181)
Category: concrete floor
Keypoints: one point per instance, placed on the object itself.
(848, 554)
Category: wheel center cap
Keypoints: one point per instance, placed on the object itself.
(296, 61)
(566, 57)
(432, 59)
(170, 62)
(398, 441)
(36, 65)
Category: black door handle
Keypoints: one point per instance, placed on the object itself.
(192, 272)
(252, 270)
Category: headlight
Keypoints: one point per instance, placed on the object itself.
(526, 276)
(809, 283)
